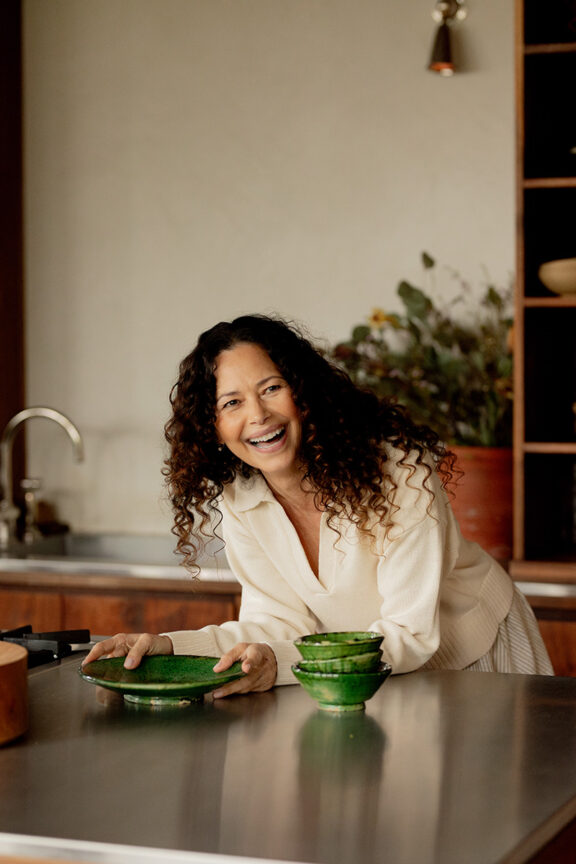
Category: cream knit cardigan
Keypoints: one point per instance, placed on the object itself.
(437, 598)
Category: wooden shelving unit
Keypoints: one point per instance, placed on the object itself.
(545, 324)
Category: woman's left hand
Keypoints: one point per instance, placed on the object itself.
(258, 662)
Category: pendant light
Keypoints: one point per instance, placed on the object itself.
(445, 12)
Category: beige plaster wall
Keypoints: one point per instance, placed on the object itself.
(189, 160)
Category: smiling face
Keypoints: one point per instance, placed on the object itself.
(256, 417)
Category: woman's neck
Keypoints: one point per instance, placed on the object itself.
(291, 490)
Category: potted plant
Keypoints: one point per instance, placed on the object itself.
(450, 362)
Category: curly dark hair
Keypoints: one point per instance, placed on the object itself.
(344, 430)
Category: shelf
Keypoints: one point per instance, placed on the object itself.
(550, 489)
(550, 447)
(546, 26)
(549, 375)
(549, 183)
(551, 48)
(566, 301)
(549, 124)
(548, 235)
(543, 571)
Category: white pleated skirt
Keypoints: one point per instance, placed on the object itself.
(518, 646)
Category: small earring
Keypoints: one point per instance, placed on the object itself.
(220, 448)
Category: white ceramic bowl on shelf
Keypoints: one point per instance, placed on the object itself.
(559, 276)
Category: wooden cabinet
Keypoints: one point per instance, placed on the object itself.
(560, 640)
(111, 605)
(545, 323)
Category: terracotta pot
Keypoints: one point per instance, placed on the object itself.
(483, 498)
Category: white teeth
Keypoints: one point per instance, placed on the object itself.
(269, 437)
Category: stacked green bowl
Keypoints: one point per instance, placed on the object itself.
(341, 670)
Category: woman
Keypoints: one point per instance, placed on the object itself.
(332, 507)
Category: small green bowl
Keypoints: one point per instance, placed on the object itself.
(342, 691)
(327, 646)
(368, 662)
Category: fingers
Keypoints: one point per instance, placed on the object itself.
(258, 664)
(145, 644)
(133, 646)
(236, 653)
(106, 648)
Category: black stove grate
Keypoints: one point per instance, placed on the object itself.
(45, 647)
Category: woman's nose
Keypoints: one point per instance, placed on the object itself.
(258, 412)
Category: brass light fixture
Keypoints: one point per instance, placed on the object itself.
(445, 12)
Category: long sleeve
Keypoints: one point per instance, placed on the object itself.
(271, 611)
(441, 597)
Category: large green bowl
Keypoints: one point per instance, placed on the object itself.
(342, 691)
(326, 646)
(368, 662)
(162, 679)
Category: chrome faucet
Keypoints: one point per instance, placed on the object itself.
(9, 512)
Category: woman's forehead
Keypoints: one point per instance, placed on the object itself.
(244, 361)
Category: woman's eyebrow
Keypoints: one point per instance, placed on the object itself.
(258, 384)
(269, 378)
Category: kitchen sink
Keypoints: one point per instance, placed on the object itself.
(129, 554)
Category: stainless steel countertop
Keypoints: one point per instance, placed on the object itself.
(55, 851)
(441, 768)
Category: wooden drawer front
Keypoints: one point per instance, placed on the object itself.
(133, 613)
(41, 609)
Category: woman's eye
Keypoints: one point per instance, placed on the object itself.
(272, 388)
(231, 403)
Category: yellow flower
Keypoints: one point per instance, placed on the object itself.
(379, 318)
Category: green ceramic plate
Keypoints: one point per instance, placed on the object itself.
(160, 679)
(324, 646)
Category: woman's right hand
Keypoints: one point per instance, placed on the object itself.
(133, 646)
